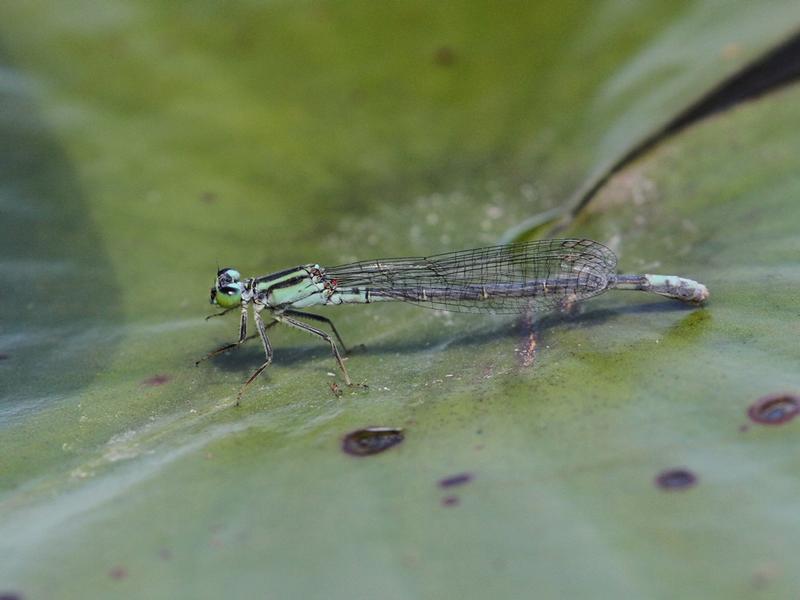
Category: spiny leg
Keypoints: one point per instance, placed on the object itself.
(313, 330)
(230, 346)
(219, 314)
(313, 317)
(243, 337)
(262, 331)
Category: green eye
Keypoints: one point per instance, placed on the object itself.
(228, 296)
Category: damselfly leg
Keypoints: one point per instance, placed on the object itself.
(220, 314)
(262, 332)
(243, 337)
(314, 331)
(320, 318)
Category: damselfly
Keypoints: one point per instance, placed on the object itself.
(516, 278)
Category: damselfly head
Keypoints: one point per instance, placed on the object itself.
(227, 290)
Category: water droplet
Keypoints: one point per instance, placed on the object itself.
(774, 409)
(372, 440)
(455, 480)
(676, 479)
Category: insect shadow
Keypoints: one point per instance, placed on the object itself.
(459, 336)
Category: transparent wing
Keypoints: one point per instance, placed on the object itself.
(530, 276)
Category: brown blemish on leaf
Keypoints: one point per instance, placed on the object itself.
(676, 479)
(156, 380)
(118, 572)
(774, 409)
(444, 56)
(455, 480)
(371, 440)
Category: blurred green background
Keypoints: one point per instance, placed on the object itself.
(143, 143)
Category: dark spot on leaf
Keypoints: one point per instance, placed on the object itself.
(156, 380)
(676, 479)
(165, 554)
(444, 56)
(450, 501)
(774, 409)
(372, 440)
(4, 356)
(455, 480)
(118, 573)
(208, 197)
(744, 428)
(10, 596)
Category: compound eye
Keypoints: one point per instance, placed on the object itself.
(229, 296)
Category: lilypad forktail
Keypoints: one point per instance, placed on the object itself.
(516, 278)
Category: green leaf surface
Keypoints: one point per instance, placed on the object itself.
(146, 142)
